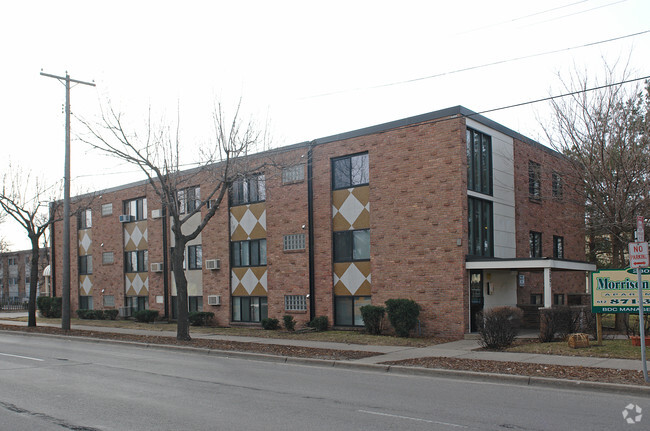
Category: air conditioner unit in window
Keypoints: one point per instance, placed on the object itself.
(214, 299)
(213, 264)
(156, 213)
(125, 311)
(157, 267)
(125, 218)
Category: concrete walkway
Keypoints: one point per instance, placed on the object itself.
(464, 349)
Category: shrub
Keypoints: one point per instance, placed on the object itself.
(200, 318)
(556, 321)
(110, 314)
(319, 323)
(90, 314)
(372, 318)
(270, 323)
(498, 327)
(403, 315)
(146, 316)
(289, 323)
(49, 306)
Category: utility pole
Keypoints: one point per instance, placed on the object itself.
(65, 289)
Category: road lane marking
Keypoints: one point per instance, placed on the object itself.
(22, 357)
(412, 419)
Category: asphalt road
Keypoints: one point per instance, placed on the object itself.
(53, 384)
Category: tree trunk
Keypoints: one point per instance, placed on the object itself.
(182, 323)
(33, 283)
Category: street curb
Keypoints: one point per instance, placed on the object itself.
(393, 369)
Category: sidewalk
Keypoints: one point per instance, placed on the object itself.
(465, 349)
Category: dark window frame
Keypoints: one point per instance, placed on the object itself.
(535, 244)
(189, 199)
(251, 250)
(141, 261)
(354, 298)
(85, 265)
(248, 190)
(245, 315)
(194, 257)
(534, 181)
(558, 247)
(557, 185)
(137, 208)
(349, 254)
(479, 162)
(480, 224)
(84, 219)
(343, 171)
(559, 299)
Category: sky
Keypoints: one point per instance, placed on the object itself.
(302, 69)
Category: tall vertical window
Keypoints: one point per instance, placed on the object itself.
(249, 308)
(189, 199)
(194, 257)
(534, 181)
(557, 186)
(84, 220)
(85, 264)
(136, 261)
(137, 208)
(535, 241)
(248, 190)
(351, 245)
(350, 171)
(479, 162)
(480, 228)
(558, 247)
(248, 253)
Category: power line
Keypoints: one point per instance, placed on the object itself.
(465, 69)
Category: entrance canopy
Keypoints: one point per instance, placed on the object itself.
(531, 264)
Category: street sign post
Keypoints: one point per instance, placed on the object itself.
(639, 259)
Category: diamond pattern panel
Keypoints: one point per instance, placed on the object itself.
(248, 222)
(135, 236)
(351, 208)
(352, 278)
(85, 241)
(85, 285)
(249, 281)
(137, 284)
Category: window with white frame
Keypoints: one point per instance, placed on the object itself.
(294, 242)
(295, 302)
(293, 174)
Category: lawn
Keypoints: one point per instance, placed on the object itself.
(348, 337)
(622, 349)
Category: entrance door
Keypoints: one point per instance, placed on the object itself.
(475, 297)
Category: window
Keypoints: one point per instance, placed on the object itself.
(84, 220)
(294, 242)
(136, 261)
(347, 310)
(85, 302)
(535, 242)
(249, 308)
(558, 247)
(27, 280)
(536, 299)
(248, 253)
(248, 190)
(558, 298)
(534, 181)
(108, 258)
(85, 265)
(137, 303)
(194, 257)
(557, 185)
(107, 209)
(12, 261)
(189, 199)
(137, 208)
(351, 245)
(480, 228)
(195, 303)
(350, 171)
(295, 302)
(293, 174)
(479, 162)
(109, 301)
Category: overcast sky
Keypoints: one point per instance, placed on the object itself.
(311, 69)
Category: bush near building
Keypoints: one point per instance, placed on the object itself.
(373, 315)
(403, 315)
(498, 327)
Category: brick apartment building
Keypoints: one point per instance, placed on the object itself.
(15, 275)
(447, 208)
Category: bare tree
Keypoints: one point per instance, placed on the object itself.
(4, 244)
(25, 200)
(604, 134)
(158, 155)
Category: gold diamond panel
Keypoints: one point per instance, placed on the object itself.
(248, 222)
(137, 284)
(352, 278)
(135, 236)
(249, 281)
(85, 285)
(85, 241)
(351, 208)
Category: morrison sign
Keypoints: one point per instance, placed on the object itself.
(615, 291)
